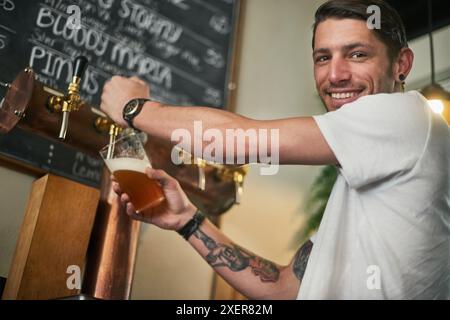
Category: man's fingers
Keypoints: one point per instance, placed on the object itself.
(130, 210)
(133, 214)
(116, 188)
(124, 198)
(163, 177)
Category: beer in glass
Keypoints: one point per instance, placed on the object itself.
(127, 160)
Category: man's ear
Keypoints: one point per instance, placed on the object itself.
(403, 64)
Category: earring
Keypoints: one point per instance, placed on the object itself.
(402, 79)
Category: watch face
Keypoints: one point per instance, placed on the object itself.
(131, 107)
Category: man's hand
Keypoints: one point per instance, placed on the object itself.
(175, 211)
(117, 92)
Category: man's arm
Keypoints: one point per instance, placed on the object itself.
(300, 140)
(251, 275)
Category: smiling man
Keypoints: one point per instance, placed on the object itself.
(385, 233)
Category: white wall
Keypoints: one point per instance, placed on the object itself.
(14, 190)
(420, 73)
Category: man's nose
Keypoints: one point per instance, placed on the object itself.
(339, 72)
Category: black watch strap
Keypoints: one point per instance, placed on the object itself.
(192, 225)
(129, 118)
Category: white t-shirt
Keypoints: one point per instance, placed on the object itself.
(385, 233)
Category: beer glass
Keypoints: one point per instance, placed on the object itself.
(127, 160)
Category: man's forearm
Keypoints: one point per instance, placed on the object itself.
(253, 276)
(160, 120)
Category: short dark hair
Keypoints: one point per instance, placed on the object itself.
(392, 32)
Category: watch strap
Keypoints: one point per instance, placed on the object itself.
(192, 225)
(129, 118)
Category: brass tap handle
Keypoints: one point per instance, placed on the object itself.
(201, 164)
(114, 131)
(238, 178)
(235, 174)
(103, 125)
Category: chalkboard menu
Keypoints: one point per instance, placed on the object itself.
(182, 48)
(51, 156)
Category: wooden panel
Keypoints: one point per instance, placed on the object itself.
(54, 235)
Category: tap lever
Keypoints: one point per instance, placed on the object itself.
(64, 125)
(71, 101)
(239, 186)
(201, 164)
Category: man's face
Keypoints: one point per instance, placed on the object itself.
(349, 62)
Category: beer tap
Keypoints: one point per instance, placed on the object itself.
(104, 124)
(236, 174)
(6, 86)
(201, 164)
(184, 157)
(72, 101)
(238, 178)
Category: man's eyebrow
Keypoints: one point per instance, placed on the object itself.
(321, 50)
(345, 48)
(352, 46)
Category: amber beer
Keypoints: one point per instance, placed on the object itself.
(144, 192)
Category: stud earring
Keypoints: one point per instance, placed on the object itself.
(402, 79)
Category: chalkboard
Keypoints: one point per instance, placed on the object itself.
(182, 48)
(51, 156)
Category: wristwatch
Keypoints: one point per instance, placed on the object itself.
(132, 109)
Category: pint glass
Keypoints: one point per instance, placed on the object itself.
(126, 159)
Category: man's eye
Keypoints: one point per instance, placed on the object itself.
(321, 59)
(358, 55)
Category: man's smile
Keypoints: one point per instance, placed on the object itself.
(343, 96)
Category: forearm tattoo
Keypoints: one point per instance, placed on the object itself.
(301, 259)
(237, 259)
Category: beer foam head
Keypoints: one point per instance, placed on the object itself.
(117, 164)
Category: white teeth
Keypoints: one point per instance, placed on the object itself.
(344, 95)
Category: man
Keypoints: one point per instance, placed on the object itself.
(385, 233)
